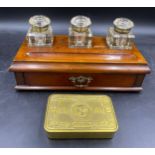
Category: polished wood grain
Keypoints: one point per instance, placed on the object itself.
(62, 79)
(51, 67)
(60, 52)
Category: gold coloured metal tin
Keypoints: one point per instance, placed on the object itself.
(80, 116)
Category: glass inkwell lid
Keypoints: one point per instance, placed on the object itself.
(80, 23)
(39, 23)
(80, 34)
(120, 36)
(40, 33)
(123, 25)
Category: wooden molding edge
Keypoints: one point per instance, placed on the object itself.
(79, 68)
(25, 87)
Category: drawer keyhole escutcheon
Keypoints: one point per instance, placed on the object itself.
(81, 81)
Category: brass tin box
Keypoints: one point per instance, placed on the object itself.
(80, 116)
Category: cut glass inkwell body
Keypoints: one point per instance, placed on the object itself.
(40, 33)
(120, 36)
(80, 34)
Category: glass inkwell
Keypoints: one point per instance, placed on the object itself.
(40, 33)
(80, 34)
(120, 36)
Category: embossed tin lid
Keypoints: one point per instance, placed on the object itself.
(80, 113)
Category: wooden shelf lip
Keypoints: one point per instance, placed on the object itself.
(82, 68)
(95, 68)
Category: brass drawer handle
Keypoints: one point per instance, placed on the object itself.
(80, 81)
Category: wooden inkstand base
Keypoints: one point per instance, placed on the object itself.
(62, 68)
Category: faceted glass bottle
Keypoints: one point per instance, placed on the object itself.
(80, 34)
(120, 36)
(40, 33)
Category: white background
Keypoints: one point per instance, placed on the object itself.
(77, 3)
(75, 151)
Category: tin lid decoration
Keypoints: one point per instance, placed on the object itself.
(80, 116)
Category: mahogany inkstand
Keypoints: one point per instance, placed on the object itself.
(97, 65)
